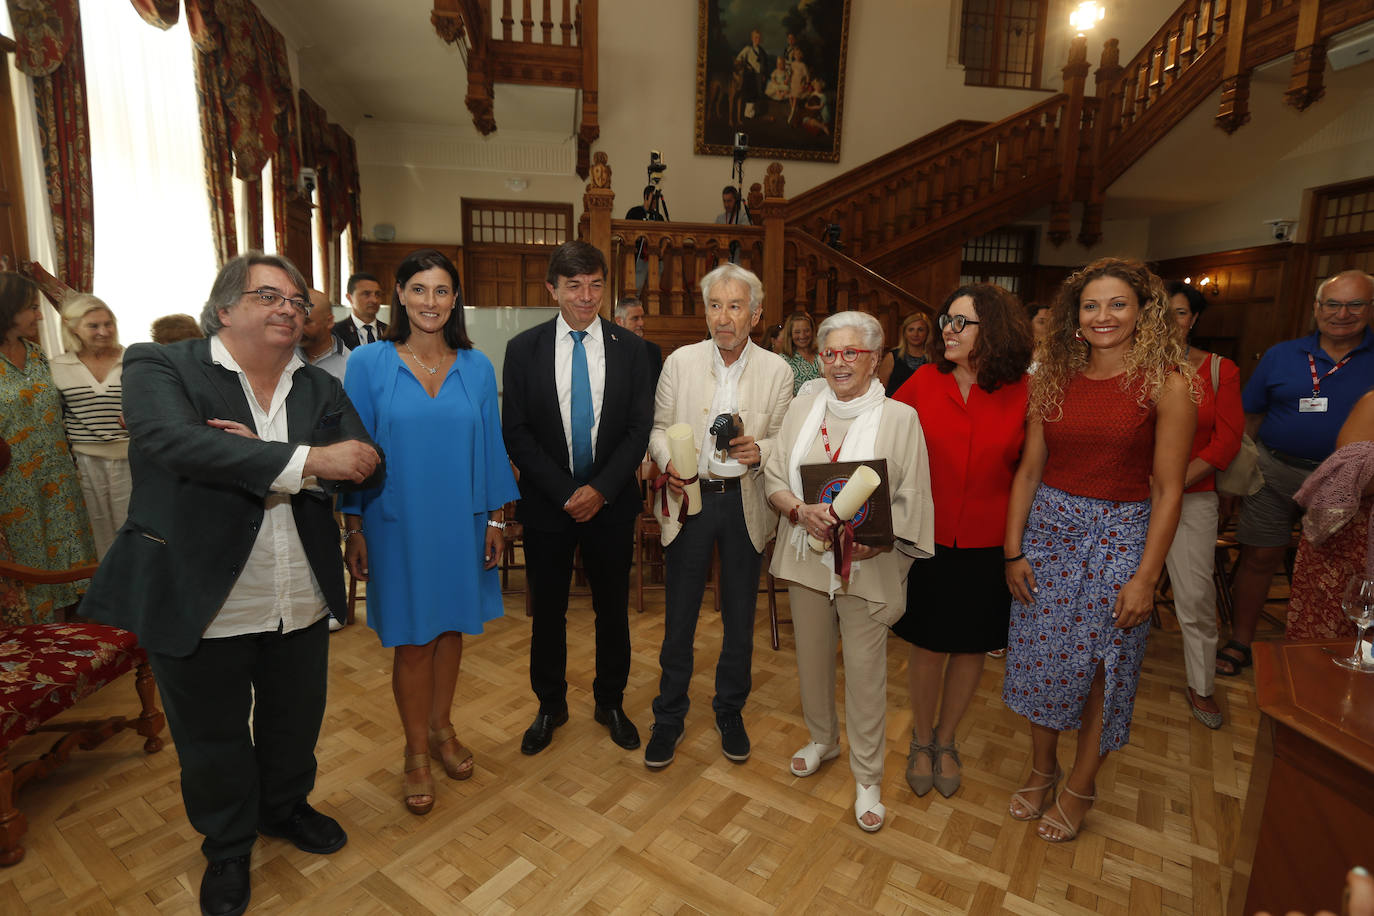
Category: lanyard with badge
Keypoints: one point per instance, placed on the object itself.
(1317, 403)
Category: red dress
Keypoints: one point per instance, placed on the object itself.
(1319, 578)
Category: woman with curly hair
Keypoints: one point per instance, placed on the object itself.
(1093, 508)
(798, 348)
(972, 405)
(913, 352)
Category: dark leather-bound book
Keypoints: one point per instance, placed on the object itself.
(873, 522)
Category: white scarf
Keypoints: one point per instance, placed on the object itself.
(866, 411)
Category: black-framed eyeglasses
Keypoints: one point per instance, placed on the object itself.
(268, 298)
(848, 354)
(1332, 306)
(957, 322)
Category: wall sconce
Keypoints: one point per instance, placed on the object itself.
(1207, 285)
(1086, 15)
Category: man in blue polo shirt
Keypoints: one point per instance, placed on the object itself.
(1295, 403)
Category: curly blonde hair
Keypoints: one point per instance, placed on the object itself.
(1157, 352)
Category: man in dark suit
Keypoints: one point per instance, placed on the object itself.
(229, 562)
(578, 406)
(361, 326)
(629, 314)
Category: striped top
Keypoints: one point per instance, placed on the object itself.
(91, 409)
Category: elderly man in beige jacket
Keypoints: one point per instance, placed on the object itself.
(726, 376)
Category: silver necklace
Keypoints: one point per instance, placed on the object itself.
(434, 371)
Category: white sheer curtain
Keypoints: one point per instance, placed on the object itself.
(154, 250)
(36, 212)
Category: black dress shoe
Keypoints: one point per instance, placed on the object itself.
(623, 731)
(310, 830)
(538, 735)
(224, 888)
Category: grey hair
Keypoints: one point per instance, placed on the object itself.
(229, 285)
(1321, 287)
(864, 323)
(728, 272)
(73, 309)
(624, 305)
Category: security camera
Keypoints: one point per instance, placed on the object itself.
(309, 180)
(1281, 228)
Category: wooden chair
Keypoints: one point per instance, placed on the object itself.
(50, 668)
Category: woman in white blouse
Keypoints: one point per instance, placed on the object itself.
(88, 375)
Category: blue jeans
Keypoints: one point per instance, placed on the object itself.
(687, 562)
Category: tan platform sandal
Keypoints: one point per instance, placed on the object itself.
(1029, 811)
(419, 793)
(1061, 823)
(458, 764)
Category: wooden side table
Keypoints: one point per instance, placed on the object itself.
(1309, 811)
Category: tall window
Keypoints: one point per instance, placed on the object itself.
(154, 252)
(1002, 42)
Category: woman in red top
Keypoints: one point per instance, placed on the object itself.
(1093, 508)
(972, 405)
(1220, 421)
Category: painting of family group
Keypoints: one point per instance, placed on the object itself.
(774, 71)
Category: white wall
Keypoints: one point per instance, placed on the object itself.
(900, 84)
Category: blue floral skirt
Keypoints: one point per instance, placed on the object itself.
(1083, 551)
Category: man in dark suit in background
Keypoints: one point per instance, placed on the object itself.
(578, 406)
(229, 562)
(629, 314)
(365, 300)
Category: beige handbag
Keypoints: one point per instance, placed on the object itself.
(1242, 477)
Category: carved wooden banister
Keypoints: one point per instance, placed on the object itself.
(823, 281)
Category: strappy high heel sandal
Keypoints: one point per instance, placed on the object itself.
(1061, 823)
(920, 782)
(1028, 811)
(457, 764)
(419, 794)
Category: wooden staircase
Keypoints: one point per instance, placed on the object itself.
(562, 53)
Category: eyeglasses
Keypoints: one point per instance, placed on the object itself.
(1332, 306)
(268, 298)
(848, 354)
(957, 322)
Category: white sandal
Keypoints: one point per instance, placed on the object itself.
(866, 802)
(814, 754)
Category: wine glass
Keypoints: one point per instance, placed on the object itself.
(1358, 604)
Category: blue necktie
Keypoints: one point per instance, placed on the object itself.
(581, 410)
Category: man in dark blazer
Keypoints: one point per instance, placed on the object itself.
(578, 407)
(229, 562)
(364, 300)
(629, 314)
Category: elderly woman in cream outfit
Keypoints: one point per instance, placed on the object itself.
(846, 417)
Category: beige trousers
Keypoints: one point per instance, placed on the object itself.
(106, 484)
(1190, 562)
(817, 623)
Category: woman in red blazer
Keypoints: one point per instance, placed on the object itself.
(972, 406)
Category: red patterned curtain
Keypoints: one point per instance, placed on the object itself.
(50, 53)
(247, 111)
(161, 13)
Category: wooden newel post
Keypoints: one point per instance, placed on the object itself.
(1070, 127)
(774, 224)
(1105, 127)
(597, 203)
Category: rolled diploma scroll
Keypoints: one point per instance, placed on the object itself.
(683, 452)
(852, 495)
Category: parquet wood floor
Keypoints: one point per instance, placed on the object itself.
(585, 827)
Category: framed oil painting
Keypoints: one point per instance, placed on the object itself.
(774, 71)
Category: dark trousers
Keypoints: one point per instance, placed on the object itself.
(686, 563)
(606, 551)
(234, 779)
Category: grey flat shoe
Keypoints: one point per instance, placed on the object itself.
(920, 782)
(1212, 720)
(947, 785)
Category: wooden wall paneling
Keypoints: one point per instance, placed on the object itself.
(300, 243)
(382, 258)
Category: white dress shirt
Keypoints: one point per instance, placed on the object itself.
(277, 590)
(362, 335)
(562, 374)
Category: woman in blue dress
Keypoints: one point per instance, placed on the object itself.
(427, 540)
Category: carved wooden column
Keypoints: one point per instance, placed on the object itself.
(1309, 59)
(1109, 73)
(597, 204)
(300, 243)
(1071, 123)
(774, 210)
(589, 130)
(1235, 80)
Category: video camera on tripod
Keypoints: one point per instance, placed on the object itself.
(654, 175)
